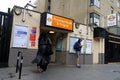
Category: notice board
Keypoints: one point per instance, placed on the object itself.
(20, 36)
(88, 47)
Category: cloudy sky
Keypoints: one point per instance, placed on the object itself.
(5, 4)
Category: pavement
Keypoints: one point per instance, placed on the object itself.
(65, 72)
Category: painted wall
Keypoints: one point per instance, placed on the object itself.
(30, 51)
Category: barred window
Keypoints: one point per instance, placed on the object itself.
(95, 3)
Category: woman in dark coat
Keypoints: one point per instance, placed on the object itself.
(44, 51)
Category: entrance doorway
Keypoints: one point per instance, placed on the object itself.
(112, 49)
(59, 42)
(113, 53)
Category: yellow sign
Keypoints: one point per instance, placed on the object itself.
(59, 22)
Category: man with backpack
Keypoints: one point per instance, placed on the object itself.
(77, 48)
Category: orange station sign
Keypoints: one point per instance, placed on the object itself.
(59, 22)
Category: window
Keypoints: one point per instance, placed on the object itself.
(118, 15)
(95, 3)
(111, 10)
(95, 19)
(118, 3)
(48, 9)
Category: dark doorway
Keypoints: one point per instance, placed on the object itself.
(112, 49)
(6, 20)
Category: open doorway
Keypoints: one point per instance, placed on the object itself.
(112, 52)
(59, 45)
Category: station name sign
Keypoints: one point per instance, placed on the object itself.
(58, 22)
(112, 20)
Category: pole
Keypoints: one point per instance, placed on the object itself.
(17, 64)
(20, 67)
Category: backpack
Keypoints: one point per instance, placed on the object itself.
(75, 46)
(48, 50)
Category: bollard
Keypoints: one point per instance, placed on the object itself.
(17, 64)
(20, 69)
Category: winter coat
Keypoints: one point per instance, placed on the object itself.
(44, 50)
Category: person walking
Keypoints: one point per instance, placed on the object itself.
(44, 51)
(77, 47)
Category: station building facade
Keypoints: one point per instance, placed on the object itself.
(88, 19)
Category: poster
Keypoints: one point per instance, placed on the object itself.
(88, 47)
(20, 38)
(72, 42)
(32, 36)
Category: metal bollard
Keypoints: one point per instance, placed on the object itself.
(20, 70)
(17, 64)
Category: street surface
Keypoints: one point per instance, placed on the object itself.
(63, 72)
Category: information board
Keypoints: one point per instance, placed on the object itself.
(20, 37)
(88, 47)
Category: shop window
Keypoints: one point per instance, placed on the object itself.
(95, 3)
(95, 19)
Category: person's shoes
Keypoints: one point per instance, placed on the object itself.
(78, 66)
(40, 70)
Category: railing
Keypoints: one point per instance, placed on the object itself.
(19, 63)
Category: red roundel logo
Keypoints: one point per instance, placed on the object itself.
(111, 17)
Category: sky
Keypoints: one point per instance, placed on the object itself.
(5, 4)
